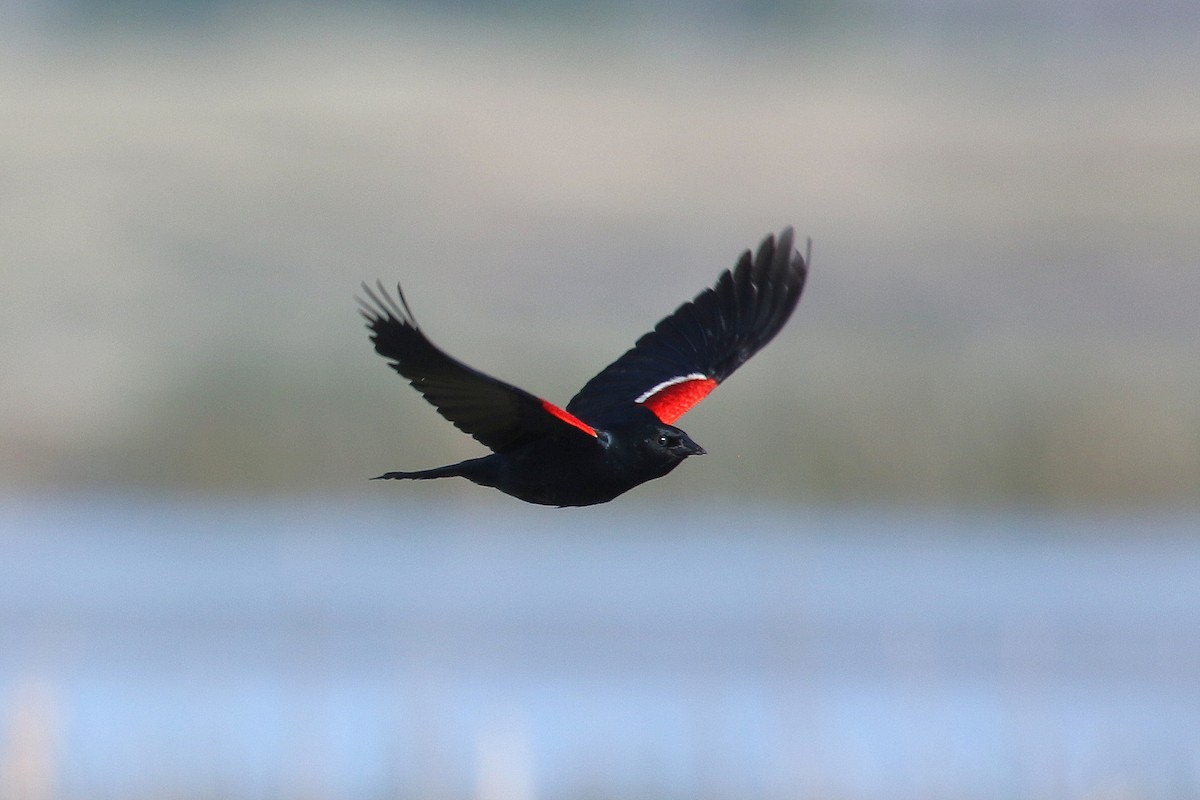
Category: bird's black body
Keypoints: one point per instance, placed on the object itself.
(617, 431)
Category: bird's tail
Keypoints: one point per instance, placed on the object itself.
(420, 475)
(475, 469)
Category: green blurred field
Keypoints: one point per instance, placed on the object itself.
(1005, 226)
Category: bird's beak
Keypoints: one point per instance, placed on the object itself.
(695, 449)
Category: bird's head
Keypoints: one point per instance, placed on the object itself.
(646, 448)
(668, 442)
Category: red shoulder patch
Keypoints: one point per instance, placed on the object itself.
(673, 398)
(568, 417)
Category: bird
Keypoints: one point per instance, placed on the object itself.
(618, 431)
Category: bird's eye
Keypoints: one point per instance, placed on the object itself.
(666, 440)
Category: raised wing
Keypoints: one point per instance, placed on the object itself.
(494, 412)
(689, 353)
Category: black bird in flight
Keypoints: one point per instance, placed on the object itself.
(618, 431)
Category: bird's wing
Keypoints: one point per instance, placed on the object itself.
(494, 412)
(689, 353)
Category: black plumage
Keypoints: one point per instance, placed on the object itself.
(617, 431)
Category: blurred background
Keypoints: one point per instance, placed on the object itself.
(945, 544)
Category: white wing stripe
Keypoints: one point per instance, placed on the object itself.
(695, 376)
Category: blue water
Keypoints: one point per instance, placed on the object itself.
(351, 648)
